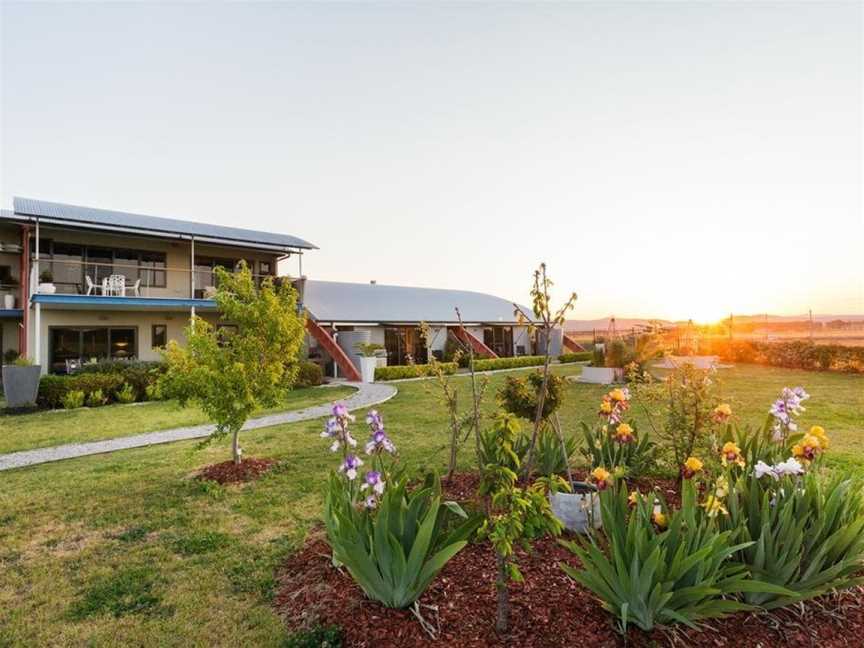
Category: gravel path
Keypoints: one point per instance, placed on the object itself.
(367, 394)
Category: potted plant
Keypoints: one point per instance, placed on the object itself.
(369, 352)
(21, 382)
(46, 283)
(11, 284)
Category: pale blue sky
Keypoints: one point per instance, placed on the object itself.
(668, 159)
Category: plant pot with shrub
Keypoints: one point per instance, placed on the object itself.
(369, 353)
(21, 383)
(46, 283)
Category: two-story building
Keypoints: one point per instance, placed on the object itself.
(81, 284)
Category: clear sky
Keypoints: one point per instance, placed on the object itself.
(671, 159)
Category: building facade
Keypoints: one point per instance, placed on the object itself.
(88, 284)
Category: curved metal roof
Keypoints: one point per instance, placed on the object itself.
(154, 225)
(334, 301)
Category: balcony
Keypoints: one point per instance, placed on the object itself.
(111, 285)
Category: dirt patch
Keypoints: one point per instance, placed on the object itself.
(228, 472)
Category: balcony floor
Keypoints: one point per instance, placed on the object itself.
(100, 302)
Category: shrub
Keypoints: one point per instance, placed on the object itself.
(579, 356)
(138, 374)
(490, 364)
(96, 398)
(52, 389)
(10, 356)
(73, 399)
(309, 374)
(520, 396)
(398, 372)
(125, 394)
(661, 569)
(792, 355)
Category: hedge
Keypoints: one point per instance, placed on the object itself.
(488, 364)
(53, 389)
(580, 356)
(397, 372)
(790, 355)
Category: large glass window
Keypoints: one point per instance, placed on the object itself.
(90, 344)
(500, 340)
(71, 263)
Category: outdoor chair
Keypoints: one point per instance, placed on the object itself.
(136, 288)
(91, 287)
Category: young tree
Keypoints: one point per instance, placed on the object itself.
(545, 322)
(232, 372)
(514, 515)
(457, 421)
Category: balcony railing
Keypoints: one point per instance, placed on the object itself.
(98, 279)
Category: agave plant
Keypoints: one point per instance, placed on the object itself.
(394, 551)
(661, 567)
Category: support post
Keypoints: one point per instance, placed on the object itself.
(24, 271)
(192, 280)
(37, 335)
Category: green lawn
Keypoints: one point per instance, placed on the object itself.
(127, 549)
(41, 429)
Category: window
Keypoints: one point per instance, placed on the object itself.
(158, 336)
(265, 268)
(90, 344)
(69, 263)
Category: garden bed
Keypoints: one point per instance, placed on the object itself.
(548, 609)
(228, 472)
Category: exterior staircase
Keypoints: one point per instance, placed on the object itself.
(572, 345)
(478, 346)
(323, 337)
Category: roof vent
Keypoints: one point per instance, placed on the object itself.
(373, 282)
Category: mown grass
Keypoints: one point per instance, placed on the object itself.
(128, 549)
(42, 429)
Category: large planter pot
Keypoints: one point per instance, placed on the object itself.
(601, 375)
(578, 511)
(47, 289)
(367, 369)
(21, 384)
(8, 302)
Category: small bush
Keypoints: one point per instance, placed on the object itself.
(490, 364)
(96, 398)
(397, 372)
(309, 374)
(791, 355)
(73, 399)
(520, 396)
(581, 356)
(125, 394)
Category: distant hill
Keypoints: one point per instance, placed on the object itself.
(798, 318)
(602, 324)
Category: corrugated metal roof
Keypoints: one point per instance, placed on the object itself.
(28, 208)
(333, 301)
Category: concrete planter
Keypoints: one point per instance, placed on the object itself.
(367, 369)
(21, 384)
(601, 375)
(47, 289)
(578, 511)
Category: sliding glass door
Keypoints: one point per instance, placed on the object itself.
(90, 344)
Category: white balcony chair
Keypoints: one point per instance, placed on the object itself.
(91, 287)
(116, 285)
(136, 288)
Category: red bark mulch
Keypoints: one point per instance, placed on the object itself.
(547, 610)
(228, 472)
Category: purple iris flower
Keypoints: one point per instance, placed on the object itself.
(374, 481)
(350, 466)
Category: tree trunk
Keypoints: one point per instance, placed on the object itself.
(502, 622)
(235, 447)
(541, 402)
